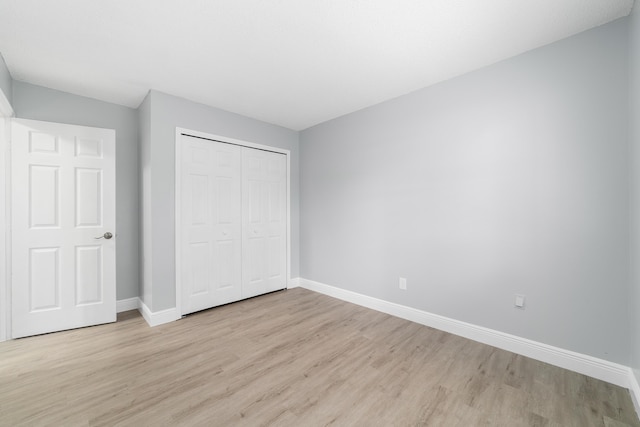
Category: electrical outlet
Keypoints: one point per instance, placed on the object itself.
(403, 284)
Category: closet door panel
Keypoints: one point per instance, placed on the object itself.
(211, 205)
(276, 222)
(254, 197)
(264, 222)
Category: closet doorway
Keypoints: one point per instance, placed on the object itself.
(232, 220)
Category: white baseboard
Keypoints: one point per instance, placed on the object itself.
(158, 317)
(581, 363)
(613, 373)
(294, 283)
(634, 390)
(127, 304)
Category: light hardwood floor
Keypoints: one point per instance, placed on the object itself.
(293, 358)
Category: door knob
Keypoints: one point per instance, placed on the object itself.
(106, 235)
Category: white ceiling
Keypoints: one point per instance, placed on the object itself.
(294, 63)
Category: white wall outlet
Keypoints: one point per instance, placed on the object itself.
(520, 301)
(403, 284)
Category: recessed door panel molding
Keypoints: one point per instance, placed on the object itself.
(200, 256)
(88, 147)
(88, 197)
(199, 156)
(227, 263)
(226, 204)
(40, 142)
(274, 247)
(274, 202)
(88, 275)
(44, 279)
(63, 203)
(246, 224)
(254, 263)
(44, 196)
(199, 199)
(255, 200)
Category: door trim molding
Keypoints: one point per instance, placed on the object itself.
(178, 195)
(5, 232)
(6, 113)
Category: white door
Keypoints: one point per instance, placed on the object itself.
(63, 227)
(264, 222)
(210, 206)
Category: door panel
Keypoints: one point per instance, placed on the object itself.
(88, 197)
(44, 196)
(210, 222)
(63, 197)
(44, 279)
(264, 222)
(88, 274)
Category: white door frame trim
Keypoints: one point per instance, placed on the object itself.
(6, 113)
(178, 181)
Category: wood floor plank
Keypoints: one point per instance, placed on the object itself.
(291, 358)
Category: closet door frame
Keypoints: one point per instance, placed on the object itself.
(178, 197)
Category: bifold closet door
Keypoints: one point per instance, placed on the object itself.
(211, 221)
(264, 226)
(233, 223)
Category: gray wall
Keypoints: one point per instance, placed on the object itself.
(39, 103)
(512, 179)
(634, 142)
(6, 82)
(167, 113)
